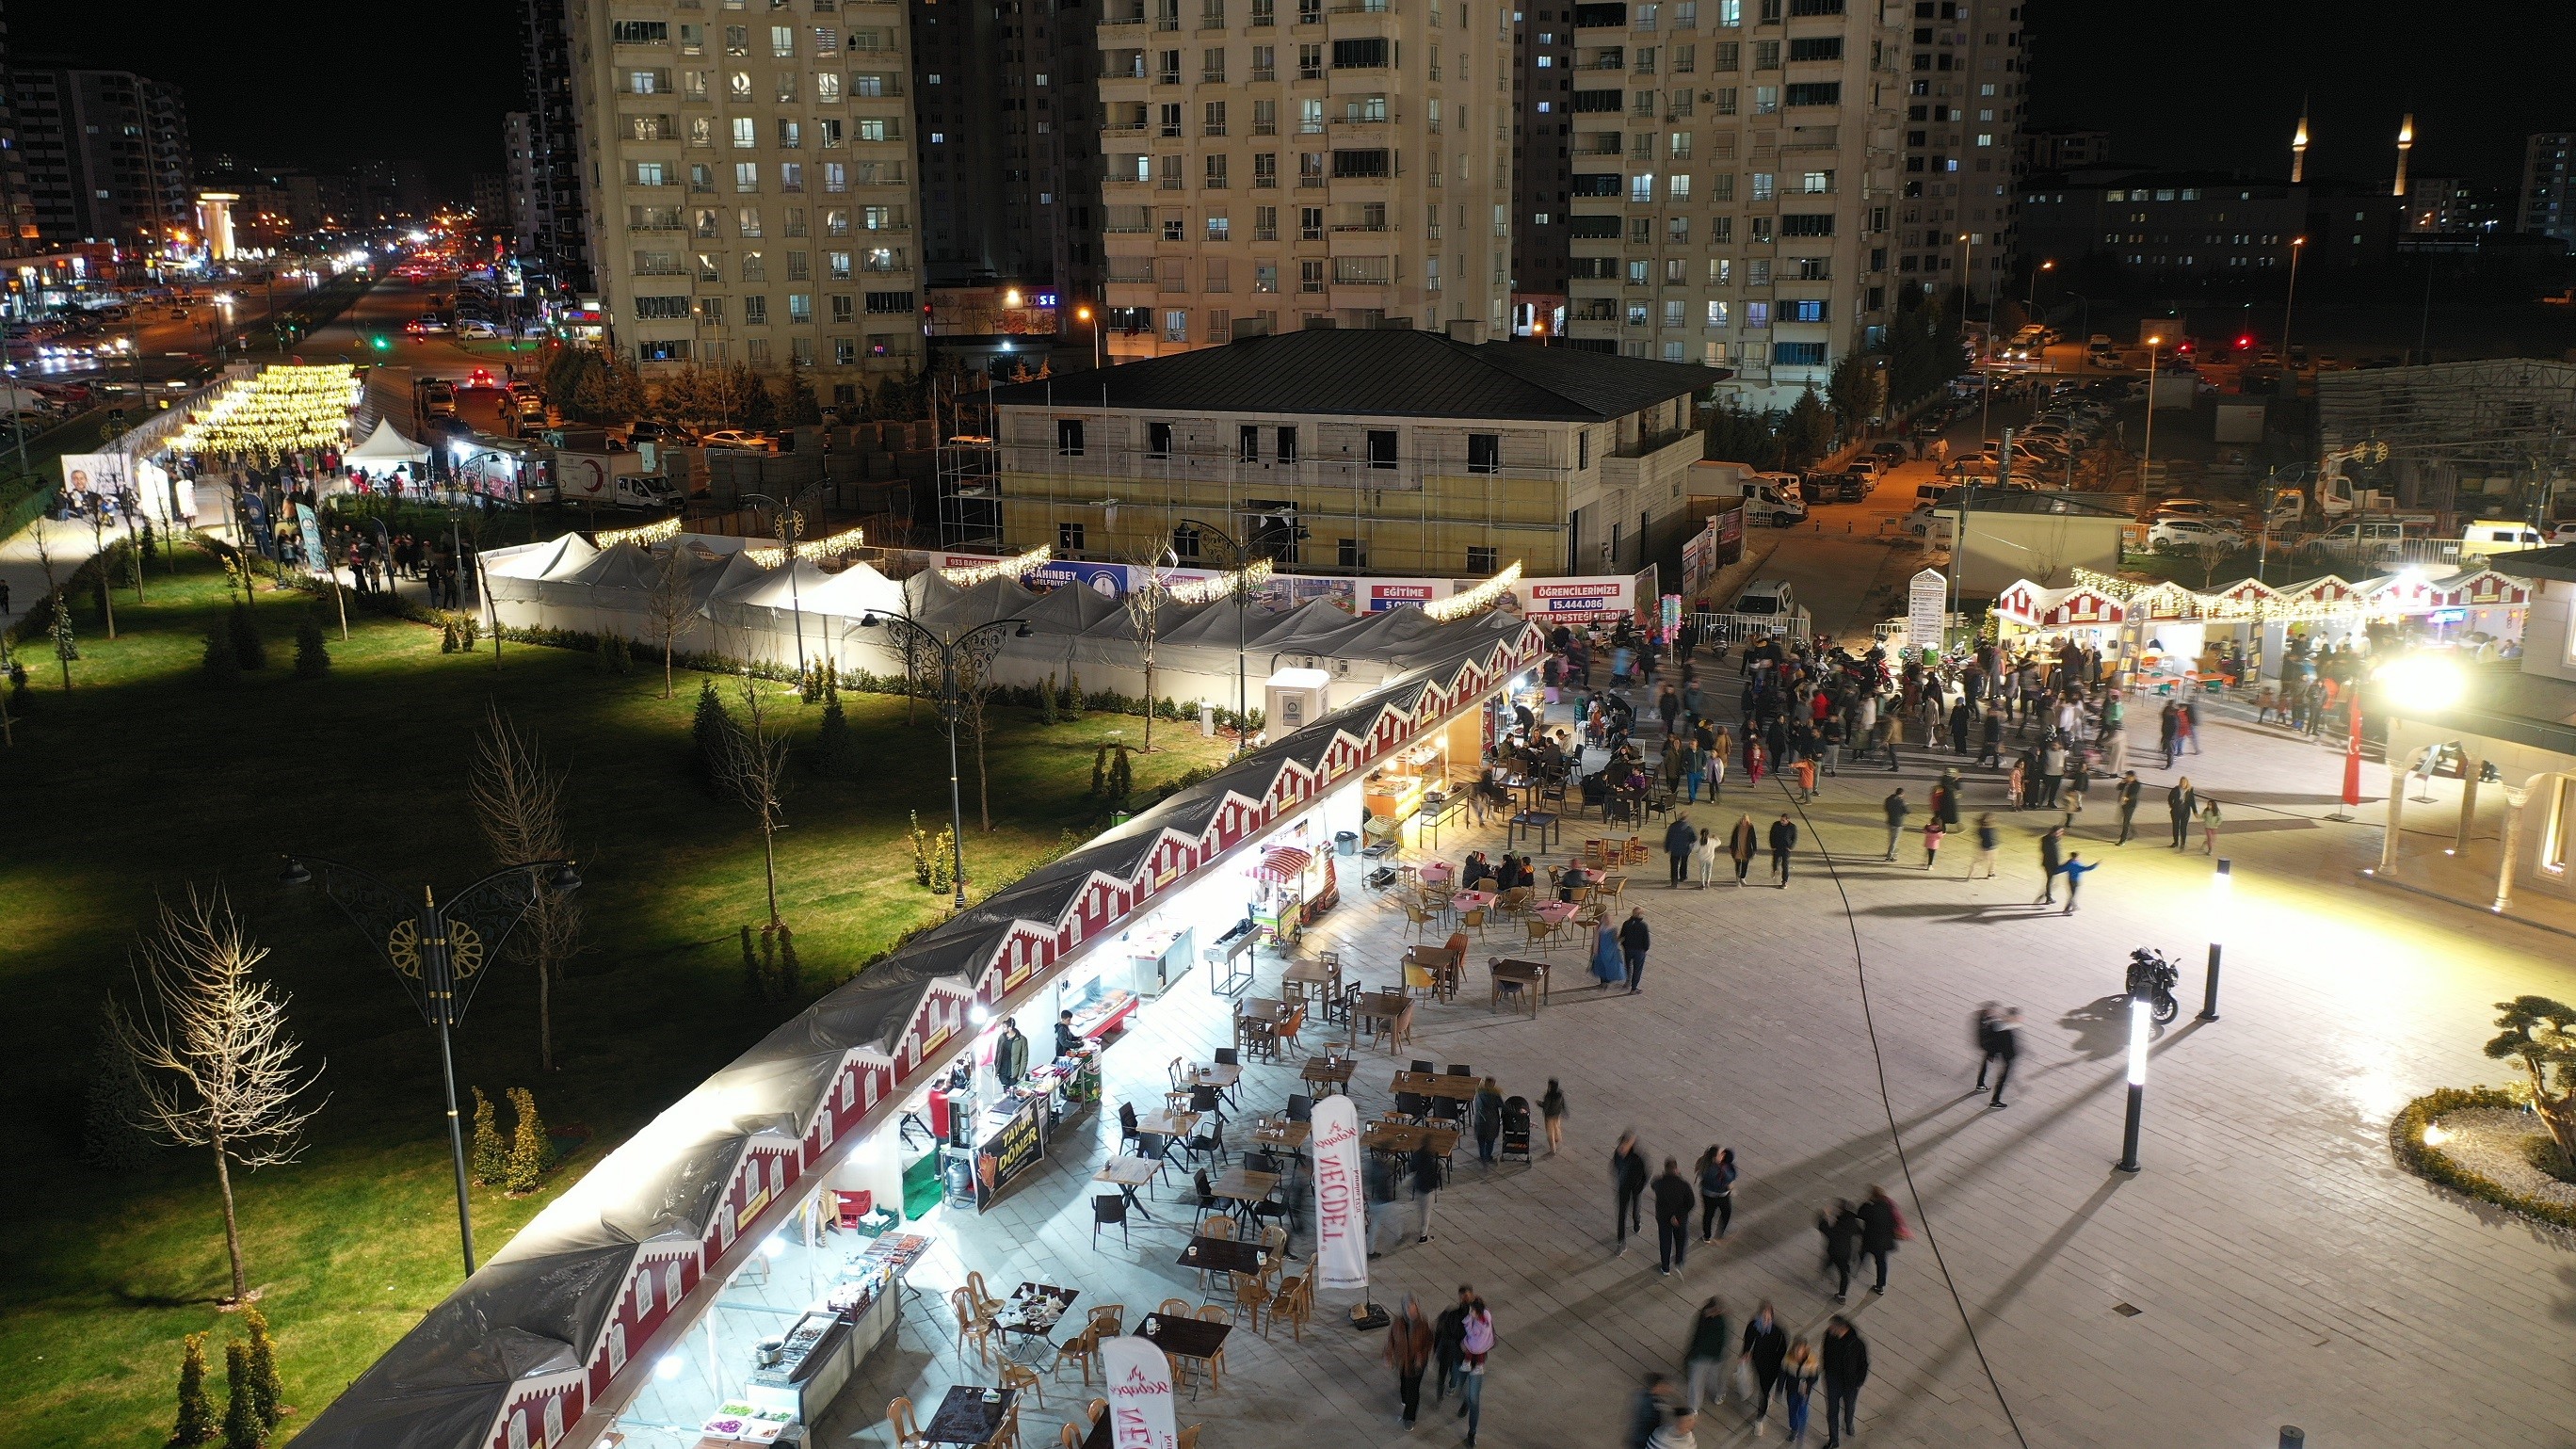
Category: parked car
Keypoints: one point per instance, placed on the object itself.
(2167, 534)
(477, 327)
(738, 439)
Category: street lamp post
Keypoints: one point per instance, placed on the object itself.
(982, 640)
(1086, 314)
(2221, 883)
(791, 526)
(439, 950)
(2298, 244)
(2032, 305)
(2141, 1022)
(2147, 454)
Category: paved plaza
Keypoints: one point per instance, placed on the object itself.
(2269, 1266)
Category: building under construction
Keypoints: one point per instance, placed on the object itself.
(2490, 439)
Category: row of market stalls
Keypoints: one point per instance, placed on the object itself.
(733, 602)
(2478, 609)
(720, 1274)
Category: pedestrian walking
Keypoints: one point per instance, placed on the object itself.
(1448, 1343)
(1489, 1120)
(1705, 1357)
(2209, 827)
(1408, 1351)
(1648, 1411)
(1880, 1227)
(1672, 1216)
(1716, 1172)
(1633, 940)
(1609, 963)
(2190, 726)
(1784, 838)
(1426, 1184)
(1846, 1363)
(1551, 1110)
(2182, 803)
(2075, 870)
(1679, 837)
(1841, 1228)
(1704, 858)
(1931, 842)
(1628, 1178)
(2052, 773)
(2052, 845)
(1741, 842)
(2169, 730)
(1895, 809)
(2127, 795)
(1799, 1371)
(1988, 837)
(2003, 1040)
(1765, 1344)
(4, 596)
(1887, 732)
(1477, 1345)
(1676, 1432)
(2079, 783)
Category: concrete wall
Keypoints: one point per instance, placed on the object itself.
(2046, 548)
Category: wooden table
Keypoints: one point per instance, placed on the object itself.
(1438, 872)
(1267, 1011)
(1303, 978)
(1539, 823)
(1282, 1134)
(1327, 1075)
(964, 1418)
(1129, 1174)
(1221, 1255)
(1471, 900)
(1437, 1084)
(1532, 976)
(1391, 1007)
(1195, 1339)
(1441, 961)
(1222, 1076)
(1022, 1317)
(1405, 1139)
(1175, 1125)
(1244, 1187)
(1555, 913)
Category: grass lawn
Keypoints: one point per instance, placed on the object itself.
(142, 779)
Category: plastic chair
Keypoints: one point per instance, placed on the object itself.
(1216, 1361)
(907, 1434)
(1189, 1437)
(985, 1302)
(1301, 1108)
(1294, 1300)
(1542, 936)
(1107, 1318)
(1216, 1225)
(1173, 1308)
(1211, 1139)
(1020, 1376)
(1251, 1294)
(1082, 1350)
(1475, 919)
(1107, 1208)
(1069, 1437)
(971, 1326)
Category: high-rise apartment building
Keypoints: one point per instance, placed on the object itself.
(1006, 100)
(106, 155)
(1734, 173)
(519, 172)
(2064, 148)
(555, 246)
(18, 235)
(1274, 164)
(2548, 197)
(1964, 68)
(750, 175)
(1542, 165)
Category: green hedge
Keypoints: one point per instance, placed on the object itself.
(2406, 1139)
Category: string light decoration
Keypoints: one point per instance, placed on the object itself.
(642, 535)
(280, 409)
(838, 545)
(1014, 568)
(1476, 600)
(1207, 591)
(2376, 598)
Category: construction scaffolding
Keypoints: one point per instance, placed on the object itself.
(969, 462)
(2494, 439)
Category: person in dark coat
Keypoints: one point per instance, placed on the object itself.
(1633, 940)
(1646, 1412)
(2183, 804)
(1846, 1362)
(1765, 1344)
(1067, 1040)
(1740, 847)
(1449, 1343)
(1784, 838)
(2003, 1039)
(1704, 1357)
(1489, 1120)
(1895, 808)
(1628, 1176)
(1679, 837)
(1408, 1350)
(1878, 1223)
(2128, 797)
(1673, 1197)
(1426, 1183)
(1010, 1054)
(1841, 1229)
(2052, 859)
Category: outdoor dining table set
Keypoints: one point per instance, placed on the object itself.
(1028, 1318)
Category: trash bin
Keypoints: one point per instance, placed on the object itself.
(1119, 817)
(1346, 842)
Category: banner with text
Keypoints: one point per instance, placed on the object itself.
(1140, 1394)
(1341, 1200)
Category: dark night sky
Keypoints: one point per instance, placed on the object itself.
(424, 82)
(2189, 83)
(2216, 83)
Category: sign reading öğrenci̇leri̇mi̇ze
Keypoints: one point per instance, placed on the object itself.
(1927, 597)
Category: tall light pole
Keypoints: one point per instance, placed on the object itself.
(2147, 456)
(2221, 883)
(2032, 305)
(973, 650)
(2142, 1010)
(440, 952)
(791, 526)
(1086, 314)
(2298, 244)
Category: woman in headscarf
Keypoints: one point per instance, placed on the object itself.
(1609, 962)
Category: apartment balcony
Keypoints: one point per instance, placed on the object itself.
(1652, 462)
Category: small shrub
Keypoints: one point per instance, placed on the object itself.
(790, 977)
(248, 647)
(491, 1159)
(919, 839)
(754, 985)
(220, 666)
(529, 1152)
(834, 746)
(1046, 710)
(711, 729)
(312, 655)
(267, 1388)
(1073, 694)
(809, 685)
(196, 1422)
(242, 1428)
(447, 636)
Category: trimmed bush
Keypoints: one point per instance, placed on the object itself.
(2406, 1140)
(196, 1422)
(312, 655)
(220, 666)
(267, 1388)
(242, 1426)
(529, 1152)
(491, 1159)
(248, 647)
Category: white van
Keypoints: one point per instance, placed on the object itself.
(2488, 536)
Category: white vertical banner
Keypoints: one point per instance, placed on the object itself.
(1139, 1376)
(1341, 1199)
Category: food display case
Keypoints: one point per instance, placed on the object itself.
(1394, 790)
(796, 1375)
(1159, 957)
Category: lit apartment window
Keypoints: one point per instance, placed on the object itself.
(746, 134)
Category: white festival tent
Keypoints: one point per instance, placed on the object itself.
(385, 450)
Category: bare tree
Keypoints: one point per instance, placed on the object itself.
(670, 606)
(2211, 550)
(519, 803)
(208, 1047)
(753, 769)
(64, 649)
(1148, 606)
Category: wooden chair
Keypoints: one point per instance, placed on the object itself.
(1020, 1376)
(1082, 1350)
(1596, 854)
(1475, 920)
(1251, 1295)
(1108, 1319)
(1419, 919)
(1172, 1308)
(971, 1326)
(1294, 1300)
(1635, 854)
(907, 1434)
(1189, 1438)
(1216, 1361)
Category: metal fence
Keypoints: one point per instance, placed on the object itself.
(1731, 628)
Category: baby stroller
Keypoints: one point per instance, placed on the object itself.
(1516, 1136)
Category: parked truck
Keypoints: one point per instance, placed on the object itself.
(613, 480)
(1770, 498)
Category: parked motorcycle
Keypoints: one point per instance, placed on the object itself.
(2151, 977)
